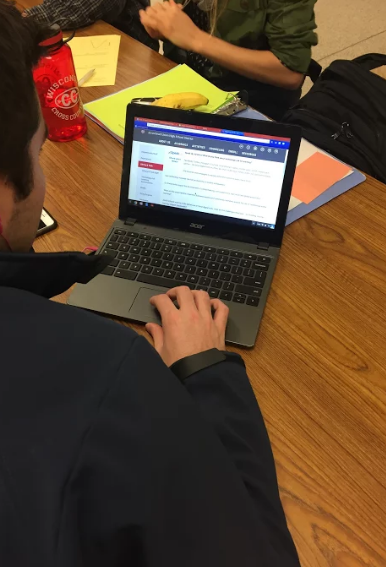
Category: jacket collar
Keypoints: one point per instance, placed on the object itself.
(48, 274)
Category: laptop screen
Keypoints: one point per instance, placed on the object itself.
(232, 174)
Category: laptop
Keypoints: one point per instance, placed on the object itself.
(203, 204)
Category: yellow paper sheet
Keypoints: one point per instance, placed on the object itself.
(99, 52)
(111, 111)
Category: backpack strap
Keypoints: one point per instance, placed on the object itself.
(371, 61)
(314, 70)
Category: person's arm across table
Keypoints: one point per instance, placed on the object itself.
(167, 20)
(227, 402)
(173, 474)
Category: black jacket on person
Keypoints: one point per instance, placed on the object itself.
(106, 459)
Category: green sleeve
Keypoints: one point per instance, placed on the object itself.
(290, 32)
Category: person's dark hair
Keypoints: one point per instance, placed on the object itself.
(19, 106)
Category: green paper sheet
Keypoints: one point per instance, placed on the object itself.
(110, 111)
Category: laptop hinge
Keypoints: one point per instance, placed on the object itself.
(130, 222)
(263, 245)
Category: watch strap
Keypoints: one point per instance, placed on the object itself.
(189, 365)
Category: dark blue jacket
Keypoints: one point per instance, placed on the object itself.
(106, 459)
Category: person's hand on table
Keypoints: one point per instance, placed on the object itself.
(190, 329)
(166, 20)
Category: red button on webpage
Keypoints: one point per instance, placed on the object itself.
(150, 165)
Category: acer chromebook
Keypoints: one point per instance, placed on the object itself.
(203, 203)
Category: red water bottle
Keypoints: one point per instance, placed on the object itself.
(58, 91)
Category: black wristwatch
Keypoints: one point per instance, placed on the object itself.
(189, 365)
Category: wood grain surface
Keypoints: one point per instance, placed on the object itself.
(318, 368)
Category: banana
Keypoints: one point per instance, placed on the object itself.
(185, 101)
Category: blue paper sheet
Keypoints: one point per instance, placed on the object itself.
(251, 113)
(337, 189)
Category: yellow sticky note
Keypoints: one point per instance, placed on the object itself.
(99, 52)
(110, 111)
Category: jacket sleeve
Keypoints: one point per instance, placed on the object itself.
(290, 32)
(77, 13)
(228, 403)
(154, 485)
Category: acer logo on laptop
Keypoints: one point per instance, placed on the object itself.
(199, 226)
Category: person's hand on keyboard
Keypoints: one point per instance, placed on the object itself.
(197, 325)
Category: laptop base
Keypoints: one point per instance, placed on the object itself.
(130, 299)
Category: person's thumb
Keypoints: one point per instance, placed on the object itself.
(157, 334)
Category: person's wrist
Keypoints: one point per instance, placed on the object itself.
(199, 40)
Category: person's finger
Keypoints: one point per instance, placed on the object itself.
(202, 300)
(221, 313)
(151, 30)
(149, 17)
(159, 7)
(144, 17)
(183, 295)
(157, 334)
(165, 5)
(180, 6)
(147, 12)
(164, 305)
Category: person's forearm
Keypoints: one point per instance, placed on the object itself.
(228, 403)
(261, 66)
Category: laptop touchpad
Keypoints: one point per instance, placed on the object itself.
(141, 310)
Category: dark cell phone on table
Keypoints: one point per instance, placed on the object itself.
(46, 224)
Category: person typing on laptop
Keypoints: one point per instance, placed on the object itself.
(203, 203)
(112, 453)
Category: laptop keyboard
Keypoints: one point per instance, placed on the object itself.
(231, 275)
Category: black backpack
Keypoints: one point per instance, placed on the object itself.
(345, 114)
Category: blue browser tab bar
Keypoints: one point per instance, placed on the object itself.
(233, 132)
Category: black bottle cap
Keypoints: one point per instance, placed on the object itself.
(52, 37)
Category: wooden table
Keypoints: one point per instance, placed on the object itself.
(318, 368)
